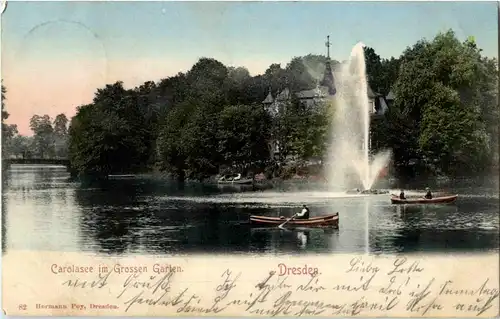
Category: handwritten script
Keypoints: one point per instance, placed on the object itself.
(362, 286)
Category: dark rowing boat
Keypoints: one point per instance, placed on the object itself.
(435, 200)
(325, 221)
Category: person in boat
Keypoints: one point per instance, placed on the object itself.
(304, 213)
(402, 195)
(428, 194)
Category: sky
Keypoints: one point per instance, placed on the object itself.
(54, 55)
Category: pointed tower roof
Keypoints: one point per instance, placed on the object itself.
(328, 79)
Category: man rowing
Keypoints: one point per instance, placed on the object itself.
(402, 195)
(304, 213)
(428, 195)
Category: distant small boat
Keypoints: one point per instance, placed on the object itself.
(367, 191)
(235, 179)
(325, 221)
(436, 200)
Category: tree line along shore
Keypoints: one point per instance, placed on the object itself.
(211, 119)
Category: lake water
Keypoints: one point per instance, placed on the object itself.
(43, 210)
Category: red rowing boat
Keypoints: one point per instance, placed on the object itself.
(325, 221)
(435, 200)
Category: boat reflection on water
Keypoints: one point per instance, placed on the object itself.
(302, 239)
(275, 240)
(413, 211)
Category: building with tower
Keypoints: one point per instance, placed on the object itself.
(324, 89)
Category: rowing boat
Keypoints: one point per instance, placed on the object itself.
(367, 191)
(435, 200)
(325, 221)
(235, 179)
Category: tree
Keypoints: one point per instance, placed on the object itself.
(61, 135)
(20, 146)
(7, 132)
(172, 149)
(381, 73)
(110, 135)
(304, 129)
(172, 91)
(449, 139)
(255, 90)
(389, 75)
(206, 81)
(299, 76)
(5, 114)
(309, 139)
(43, 134)
(300, 130)
(243, 134)
(373, 69)
(96, 141)
(487, 95)
(61, 125)
(235, 85)
(438, 93)
(276, 77)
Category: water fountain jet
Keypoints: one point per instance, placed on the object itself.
(352, 164)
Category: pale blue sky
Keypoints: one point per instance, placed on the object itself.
(79, 46)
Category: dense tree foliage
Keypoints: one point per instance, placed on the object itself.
(9, 131)
(45, 143)
(114, 133)
(381, 73)
(211, 119)
(302, 131)
(49, 140)
(61, 136)
(193, 124)
(445, 117)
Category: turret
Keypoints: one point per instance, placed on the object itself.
(328, 79)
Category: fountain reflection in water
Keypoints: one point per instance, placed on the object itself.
(367, 226)
(350, 164)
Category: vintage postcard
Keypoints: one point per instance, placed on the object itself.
(250, 159)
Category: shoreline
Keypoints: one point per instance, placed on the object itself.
(261, 182)
(383, 183)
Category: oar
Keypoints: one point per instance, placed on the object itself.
(289, 219)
